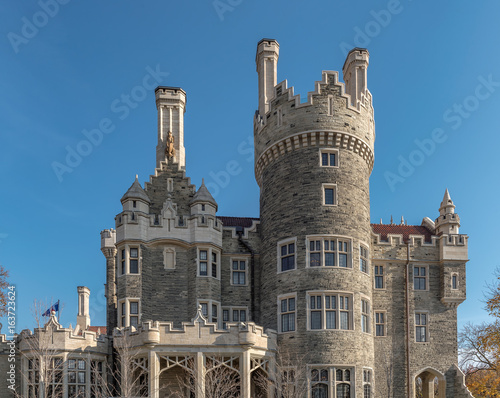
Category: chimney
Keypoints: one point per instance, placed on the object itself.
(171, 105)
(354, 71)
(268, 51)
(83, 317)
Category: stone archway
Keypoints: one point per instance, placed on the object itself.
(429, 383)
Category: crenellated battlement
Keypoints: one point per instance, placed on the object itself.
(190, 334)
(340, 112)
(329, 78)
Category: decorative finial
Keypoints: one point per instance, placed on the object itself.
(402, 220)
(380, 220)
(202, 181)
(137, 177)
(392, 222)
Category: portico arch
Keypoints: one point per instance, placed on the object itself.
(429, 383)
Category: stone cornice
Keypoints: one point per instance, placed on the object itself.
(314, 138)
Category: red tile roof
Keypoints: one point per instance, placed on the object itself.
(102, 329)
(245, 222)
(405, 230)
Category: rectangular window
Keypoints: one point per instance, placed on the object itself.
(123, 314)
(421, 322)
(454, 281)
(134, 313)
(363, 259)
(287, 314)
(134, 260)
(214, 313)
(233, 314)
(204, 309)
(365, 316)
(325, 379)
(380, 323)
(129, 312)
(328, 157)
(379, 277)
(315, 253)
(329, 252)
(367, 380)
(214, 265)
(203, 257)
(238, 272)
(76, 377)
(287, 256)
(329, 311)
(420, 278)
(123, 262)
(210, 311)
(329, 195)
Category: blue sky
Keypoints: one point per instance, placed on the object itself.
(434, 72)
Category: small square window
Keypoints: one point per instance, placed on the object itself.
(328, 157)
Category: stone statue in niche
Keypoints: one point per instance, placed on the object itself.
(169, 149)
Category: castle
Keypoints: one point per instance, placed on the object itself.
(366, 310)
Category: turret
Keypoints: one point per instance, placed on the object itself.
(83, 317)
(136, 199)
(313, 163)
(171, 105)
(108, 248)
(354, 71)
(448, 222)
(267, 67)
(203, 202)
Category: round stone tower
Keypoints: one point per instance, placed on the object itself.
(313, 162)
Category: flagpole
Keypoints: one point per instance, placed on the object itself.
(58, 313)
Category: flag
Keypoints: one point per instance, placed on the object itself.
(55, 307)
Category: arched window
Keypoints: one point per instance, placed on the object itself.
(367, 391)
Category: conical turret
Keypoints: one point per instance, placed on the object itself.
(136, 199)
(448, 222)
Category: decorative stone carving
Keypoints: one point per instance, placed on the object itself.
(169, 149)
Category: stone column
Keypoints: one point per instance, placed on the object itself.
(153, 379)
(200, 375)
(246, 376)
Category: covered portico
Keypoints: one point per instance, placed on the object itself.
(199, 360)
